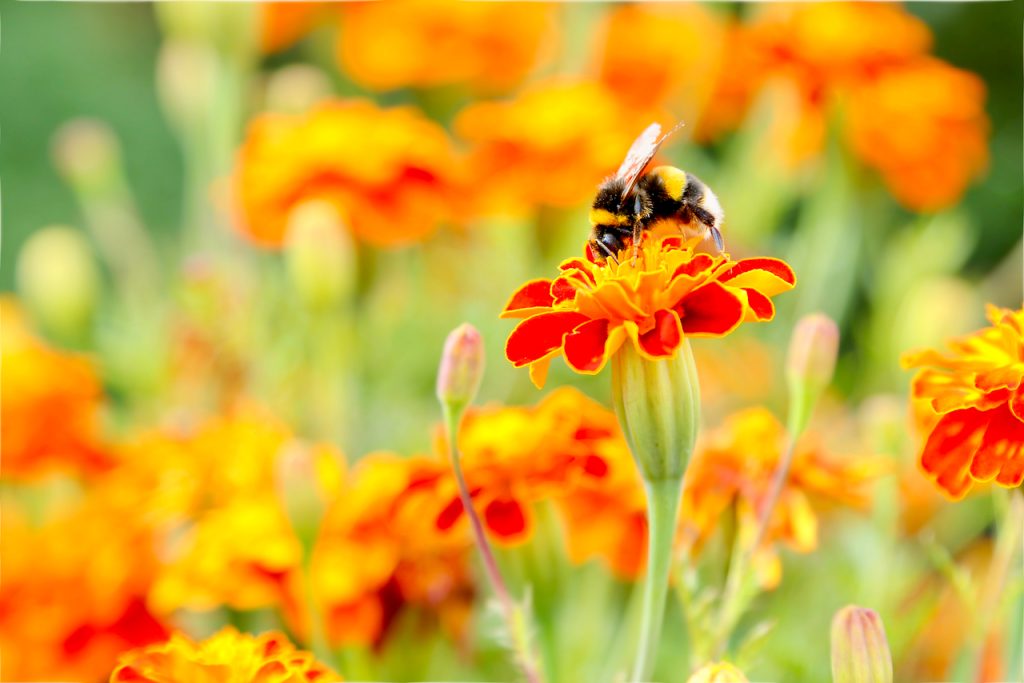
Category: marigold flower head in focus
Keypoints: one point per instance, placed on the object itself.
(551, 145)
(50, 405)
(977, 393)
(227, 656)
(672, 292)
(74, 590)
(390, 172)
(490, 47)
(735, 466)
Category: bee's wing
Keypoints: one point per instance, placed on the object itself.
(640, 154)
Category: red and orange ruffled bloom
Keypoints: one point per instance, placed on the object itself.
(735, 466)
(976, 393)
(672, 292)
(391, 173)
(227, 656)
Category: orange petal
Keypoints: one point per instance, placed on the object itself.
(506, 519)
(536, 337)
(949, 449)
(760, 305)
(1001, 455)
(710, 310)
(531, 298)
(695, 266)
(585, 347)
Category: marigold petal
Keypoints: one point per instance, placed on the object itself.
(664, 338)
(760, 305)
(539, 370)
(767, 275)
(536, 337)
(585, 347)
(1017, 403)
(710, 310)
(531, 298)
(506, 519)
(1001, 455)
(1007, 377)
(948, 451)
(698, 264)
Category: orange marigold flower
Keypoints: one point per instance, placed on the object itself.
(49, 405)
(423, 43)
(977, 393)
(74, 590)
(390, 172)
(226, 657)
(671, 292)
(550, 146)
(659, 53)
(383, 546)
(923, 126)
(735, 466)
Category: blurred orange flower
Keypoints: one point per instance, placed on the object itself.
(50, 405)
(734, 467)
(923, 126)
(225, 657)
(661, 55)
(672, 291)
(383, 546)
(551, 145)
(491, 47)
(391, 173)
(917, 120)
(977, 394)
(74, 591)
(284, 23)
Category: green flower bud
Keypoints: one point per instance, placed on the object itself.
(860, 651)
(658, 406)
(810, 365)
(320, 255)
(186, 79)
(58, 280)
(462, 367)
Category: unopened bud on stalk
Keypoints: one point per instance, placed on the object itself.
(722, 672)
(86, 152)
(186, 79)
(462, 367)
(58, 280)
(296, 87)
(320, 254)
(658, 406)
(810, 365)
(230, 26)
(860, 651)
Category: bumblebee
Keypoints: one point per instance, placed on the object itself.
(632, 202)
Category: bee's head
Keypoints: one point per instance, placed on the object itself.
(608, 208)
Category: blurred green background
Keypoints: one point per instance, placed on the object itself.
(65, 60)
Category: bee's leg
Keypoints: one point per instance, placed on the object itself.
(637, 228)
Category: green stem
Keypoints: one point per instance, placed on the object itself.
(515, 618)
(663, 498)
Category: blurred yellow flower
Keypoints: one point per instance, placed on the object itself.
(225, 657)
(391, 173)
(74, 590)
(734, 467)
(721, 672)
(50, 404)
(550, 145)
(976, 392)
(488, 46)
